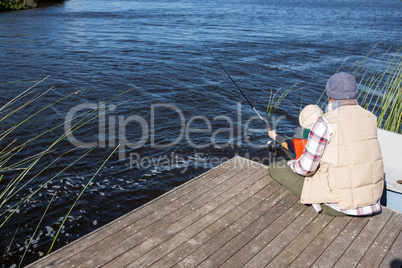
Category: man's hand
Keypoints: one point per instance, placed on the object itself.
(272, 134)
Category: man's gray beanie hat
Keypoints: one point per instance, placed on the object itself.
(341, 86)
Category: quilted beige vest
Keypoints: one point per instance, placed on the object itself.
(351, 169)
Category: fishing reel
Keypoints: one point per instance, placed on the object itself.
(272, 146)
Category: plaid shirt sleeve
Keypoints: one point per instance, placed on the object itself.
(319, 136)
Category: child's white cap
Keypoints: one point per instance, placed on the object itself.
(309, 115)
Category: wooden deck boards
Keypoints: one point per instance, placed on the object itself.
(235, 215)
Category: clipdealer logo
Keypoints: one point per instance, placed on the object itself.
(113, 130)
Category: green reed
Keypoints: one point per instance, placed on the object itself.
(274, 100)
(380, 89)
(36, 229)
(18, 173)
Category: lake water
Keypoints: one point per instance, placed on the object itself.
(181, 114)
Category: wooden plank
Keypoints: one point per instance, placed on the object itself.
(142, 228)
(377, 251)
(111, 228)
(289, 254)
(313, 251)
(275, 246)
(393, 258)
(135, 246)
(232, 208)
(244, 235)
(250, 241)
(363, 241)
(341, 243)
(268, 196)
(232, 237)
(206, 250)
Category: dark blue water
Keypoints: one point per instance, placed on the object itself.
(182, 115)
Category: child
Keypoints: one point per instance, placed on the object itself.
(296, 145)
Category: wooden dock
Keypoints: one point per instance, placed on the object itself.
(235, 215)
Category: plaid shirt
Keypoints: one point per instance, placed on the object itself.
(307, 164)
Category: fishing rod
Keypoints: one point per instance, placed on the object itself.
(234, 83)
(249, 102)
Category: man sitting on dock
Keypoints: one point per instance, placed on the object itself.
(341, 170)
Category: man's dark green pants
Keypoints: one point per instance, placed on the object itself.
(285, 176)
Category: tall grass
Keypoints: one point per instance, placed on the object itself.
(380, 89)
(23, 166)
(275, 99)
